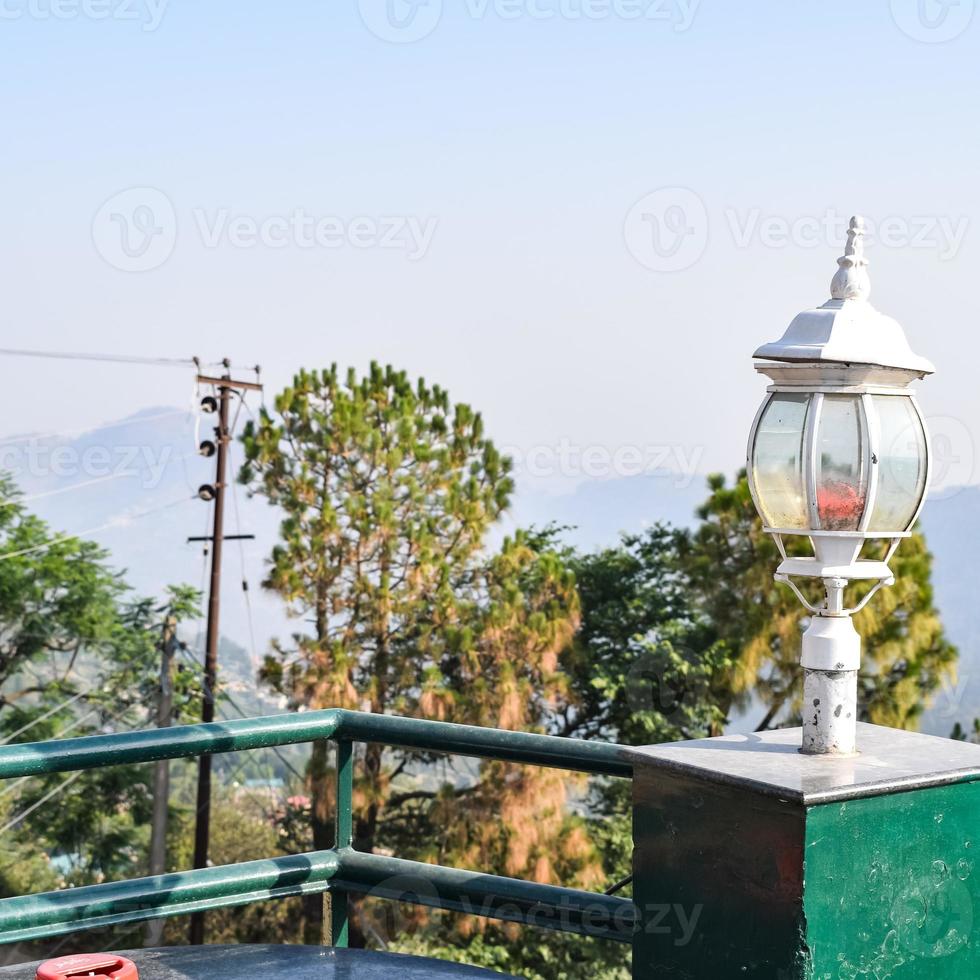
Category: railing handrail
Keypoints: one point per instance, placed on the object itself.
(29, 917)
(185, 741)
(340, 870)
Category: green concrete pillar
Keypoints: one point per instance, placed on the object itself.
(753, 860)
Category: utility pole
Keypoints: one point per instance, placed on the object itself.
(202, 827)
(161, 771)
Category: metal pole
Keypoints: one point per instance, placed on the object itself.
(161, 773)
(830, 661)
(202, 826)
(344, 822)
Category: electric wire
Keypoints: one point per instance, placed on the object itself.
(182, 362)
(73, 486)
(37, 804)
(253, 654)
(10, 787)
(47, 714)
(61, 786)
(188, 654)
(96, 480)
(120, 521)
(191, 658)
(253, 647)
(84, 430)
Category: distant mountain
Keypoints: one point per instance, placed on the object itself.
(132, 485)
(597, 512)
(951, 524)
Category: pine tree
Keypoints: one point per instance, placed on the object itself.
(388, 492)
(729, 563)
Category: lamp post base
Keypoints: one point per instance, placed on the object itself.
(830, 661)
(755, 862)
(829, 712)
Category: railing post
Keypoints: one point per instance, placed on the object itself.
(344, 820)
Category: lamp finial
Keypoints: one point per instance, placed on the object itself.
(851, 280)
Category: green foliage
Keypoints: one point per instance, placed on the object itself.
(960, 734)
(388, 492)
(728, 562)
(78, 655)
(243, 828)
(536, 955)
(56, 598)
(644, 667)
(644, 664)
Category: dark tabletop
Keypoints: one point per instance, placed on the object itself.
(269, 962)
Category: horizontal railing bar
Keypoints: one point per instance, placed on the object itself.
(487, 896)
(181, 741)
(185, 741)
(28, 917)
(552, 751)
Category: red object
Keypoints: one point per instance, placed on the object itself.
(107, 966)
(840, 506)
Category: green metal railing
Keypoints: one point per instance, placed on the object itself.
(341, 870)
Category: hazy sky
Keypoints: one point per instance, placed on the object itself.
(581, 216)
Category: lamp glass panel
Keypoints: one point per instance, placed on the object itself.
(777, 462)
(901, 463)
(842, 471)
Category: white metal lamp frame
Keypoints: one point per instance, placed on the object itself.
(844, 347)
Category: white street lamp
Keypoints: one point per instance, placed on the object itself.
(839, 454)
